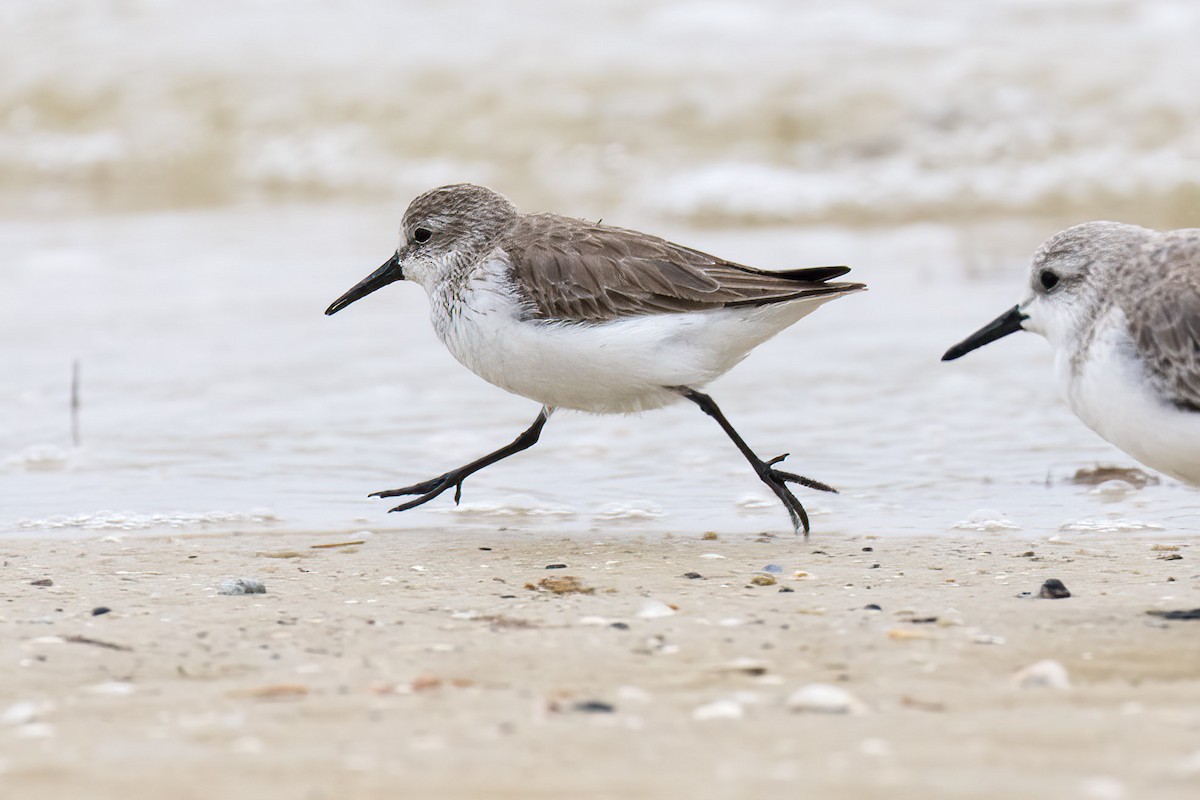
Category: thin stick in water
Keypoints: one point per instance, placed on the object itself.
(75, 402)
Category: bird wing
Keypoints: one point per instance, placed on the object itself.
(569, 269)
(1164, 319)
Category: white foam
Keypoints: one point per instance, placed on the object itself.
(986, 519)
(133, 521)
(628, 511)
(1109, 526)
(517, 505)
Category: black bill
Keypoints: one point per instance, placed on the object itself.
(1008, 322)
(390, 272)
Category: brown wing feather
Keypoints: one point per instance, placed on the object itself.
(1164, 319)
(587, 272)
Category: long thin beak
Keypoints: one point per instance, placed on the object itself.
(390, 272)
(1008, 322)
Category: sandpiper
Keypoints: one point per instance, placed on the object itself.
(585, 316)
(1120, 305)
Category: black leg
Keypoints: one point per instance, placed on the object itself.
(775, 478)
(455, 477)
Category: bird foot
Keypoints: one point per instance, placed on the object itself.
(778, 479)
(427, 490)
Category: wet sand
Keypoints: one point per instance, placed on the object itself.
(426, 665)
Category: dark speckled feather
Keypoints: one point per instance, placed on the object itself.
(569, 269)
(1164, 316)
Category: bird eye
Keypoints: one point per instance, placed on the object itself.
(421, 235)
(1049, 279)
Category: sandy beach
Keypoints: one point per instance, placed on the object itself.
(186, 188)
(492, 664)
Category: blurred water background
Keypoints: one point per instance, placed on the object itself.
(185, 186)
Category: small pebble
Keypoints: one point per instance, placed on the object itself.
(908, 634)
(719, 709)
(786, 589)
(241, 586)
(1046, 674)
(1189, 613)
(652, 609)
(1053, 589)
(594, 707)
(872, 607)
(42, 582)
(824, 698)
(621, 626)
(744, 666)
(556, 566)
(98, 610)
(692, 576)
(868, 549)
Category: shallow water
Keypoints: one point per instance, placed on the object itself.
(216, 396)
(187, 186)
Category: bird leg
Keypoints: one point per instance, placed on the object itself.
(776, 479)
(432, 488)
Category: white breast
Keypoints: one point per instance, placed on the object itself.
(612, 367)
(1108, 389)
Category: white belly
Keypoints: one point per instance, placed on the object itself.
(1110, 393)
(613, 367)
